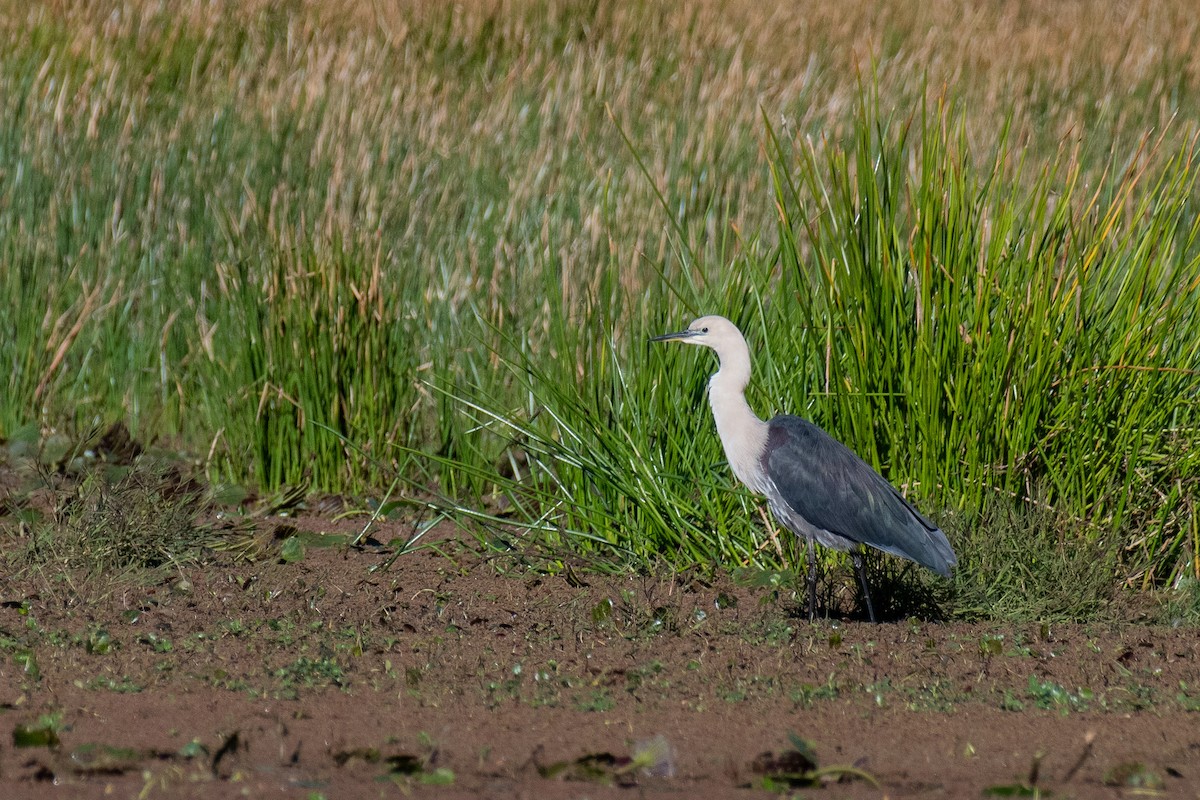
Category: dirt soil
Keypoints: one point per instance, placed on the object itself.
(452, 674)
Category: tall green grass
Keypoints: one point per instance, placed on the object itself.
(983, 336)
(987, 341)
(327, 245)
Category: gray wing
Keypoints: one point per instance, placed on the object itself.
(834, 490)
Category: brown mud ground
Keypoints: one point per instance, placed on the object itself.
(456, 675)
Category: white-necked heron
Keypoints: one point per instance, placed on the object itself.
(815, 485)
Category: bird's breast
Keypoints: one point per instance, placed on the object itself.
(743, 437)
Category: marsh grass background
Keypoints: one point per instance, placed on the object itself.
(335, 243)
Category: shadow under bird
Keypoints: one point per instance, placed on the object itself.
(815, 485)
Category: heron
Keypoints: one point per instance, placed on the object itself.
(817, 487)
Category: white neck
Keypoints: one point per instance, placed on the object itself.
(743, 434)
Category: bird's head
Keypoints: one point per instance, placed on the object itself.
(716, 332)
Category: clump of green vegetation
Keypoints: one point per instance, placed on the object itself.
(43, 732)
(1050, 695)
(1028, 563)
(312, 672)
(142, 521)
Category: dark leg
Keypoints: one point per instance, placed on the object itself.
(812, 581)
(862, 578)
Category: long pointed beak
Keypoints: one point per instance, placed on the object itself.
(667, 337)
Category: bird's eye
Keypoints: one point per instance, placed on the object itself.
(704, 330)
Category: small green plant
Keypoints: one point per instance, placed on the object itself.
(159, 644)
(312, 672)
(1010, 702)
(1188, 698)
(42, 732)
(599, 701)
(1050, 695)
(806, 694)
(99, 642)
(26, 662)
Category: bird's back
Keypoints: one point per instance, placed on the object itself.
(835, 491)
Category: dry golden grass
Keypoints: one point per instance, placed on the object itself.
(529, 100)
(1065, 62)
(526, 97)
